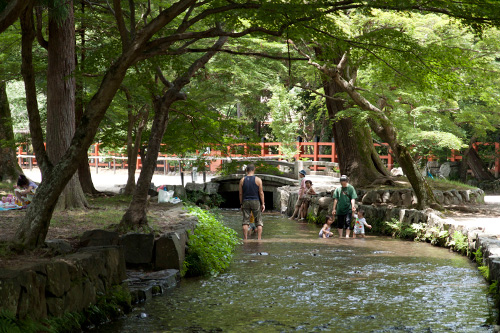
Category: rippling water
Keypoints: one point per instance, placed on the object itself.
(294, 281)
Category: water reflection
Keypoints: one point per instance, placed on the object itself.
(294, 281)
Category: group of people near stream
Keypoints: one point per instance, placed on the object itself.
(24, 191)
(251, 194)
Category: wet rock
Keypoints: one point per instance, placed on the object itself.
(144, 285)
(99, 237)
(138, 248)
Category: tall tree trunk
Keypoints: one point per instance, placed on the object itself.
(354, 144)
(138, 122)
(84, 175)
(476, 164)
(136, 214)
(384, 128)
(28, 73)
(61, 101)
(9, 169)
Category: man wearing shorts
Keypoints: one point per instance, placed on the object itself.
(344, 198)
(252, 200)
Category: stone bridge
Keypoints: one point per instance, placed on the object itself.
(229, 186)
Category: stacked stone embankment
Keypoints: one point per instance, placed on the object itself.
(146, 264)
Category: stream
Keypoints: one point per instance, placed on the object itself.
(295, 281)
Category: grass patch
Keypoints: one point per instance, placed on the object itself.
(7, 187)
(446, 184)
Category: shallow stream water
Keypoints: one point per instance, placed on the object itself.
(295, 281)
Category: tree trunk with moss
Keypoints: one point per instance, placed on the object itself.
(354, 144)
(9, 169)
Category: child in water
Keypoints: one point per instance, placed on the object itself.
(359, 224)
(325, 231)
(251, 228)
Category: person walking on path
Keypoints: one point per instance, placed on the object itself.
(344, 198)
(252, 201)
(302, 191)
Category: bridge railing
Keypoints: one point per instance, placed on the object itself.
(315, 151)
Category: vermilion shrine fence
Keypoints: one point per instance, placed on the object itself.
(310, 150)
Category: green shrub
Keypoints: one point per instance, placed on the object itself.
(10, 324)
(459, 242)
(236, 166)
(210, 246)
(201, 197)
(478, 256)
(398, 229)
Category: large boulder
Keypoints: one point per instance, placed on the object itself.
(179, 191)
(169, 251)
(371, 197)
(212, 187)
(99, 237)
(138, 248)
(59, 246)
(195, 187)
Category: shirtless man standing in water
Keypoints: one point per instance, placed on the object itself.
(252, 200)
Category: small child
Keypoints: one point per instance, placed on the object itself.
(325, 231)
(251, 228)
(359, 224)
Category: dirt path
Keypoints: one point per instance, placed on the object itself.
(485, 217)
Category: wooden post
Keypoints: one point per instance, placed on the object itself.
(96, 161)
(497, 159)
(20, 152)
(204, 176)
(390, 160)
(316, 152)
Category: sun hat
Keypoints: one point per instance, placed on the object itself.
(302, 172)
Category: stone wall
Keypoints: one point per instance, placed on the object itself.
(322, 204)
(488, 186)
(63, 284)
(72, 282)
(149, 251)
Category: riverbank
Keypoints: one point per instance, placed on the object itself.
(86, 266)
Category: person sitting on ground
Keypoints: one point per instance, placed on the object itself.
(360, 223)
(25, 190)
(325, 231)
(300, 200)
(307, 199)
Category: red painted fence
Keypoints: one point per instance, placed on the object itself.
(310, 150)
